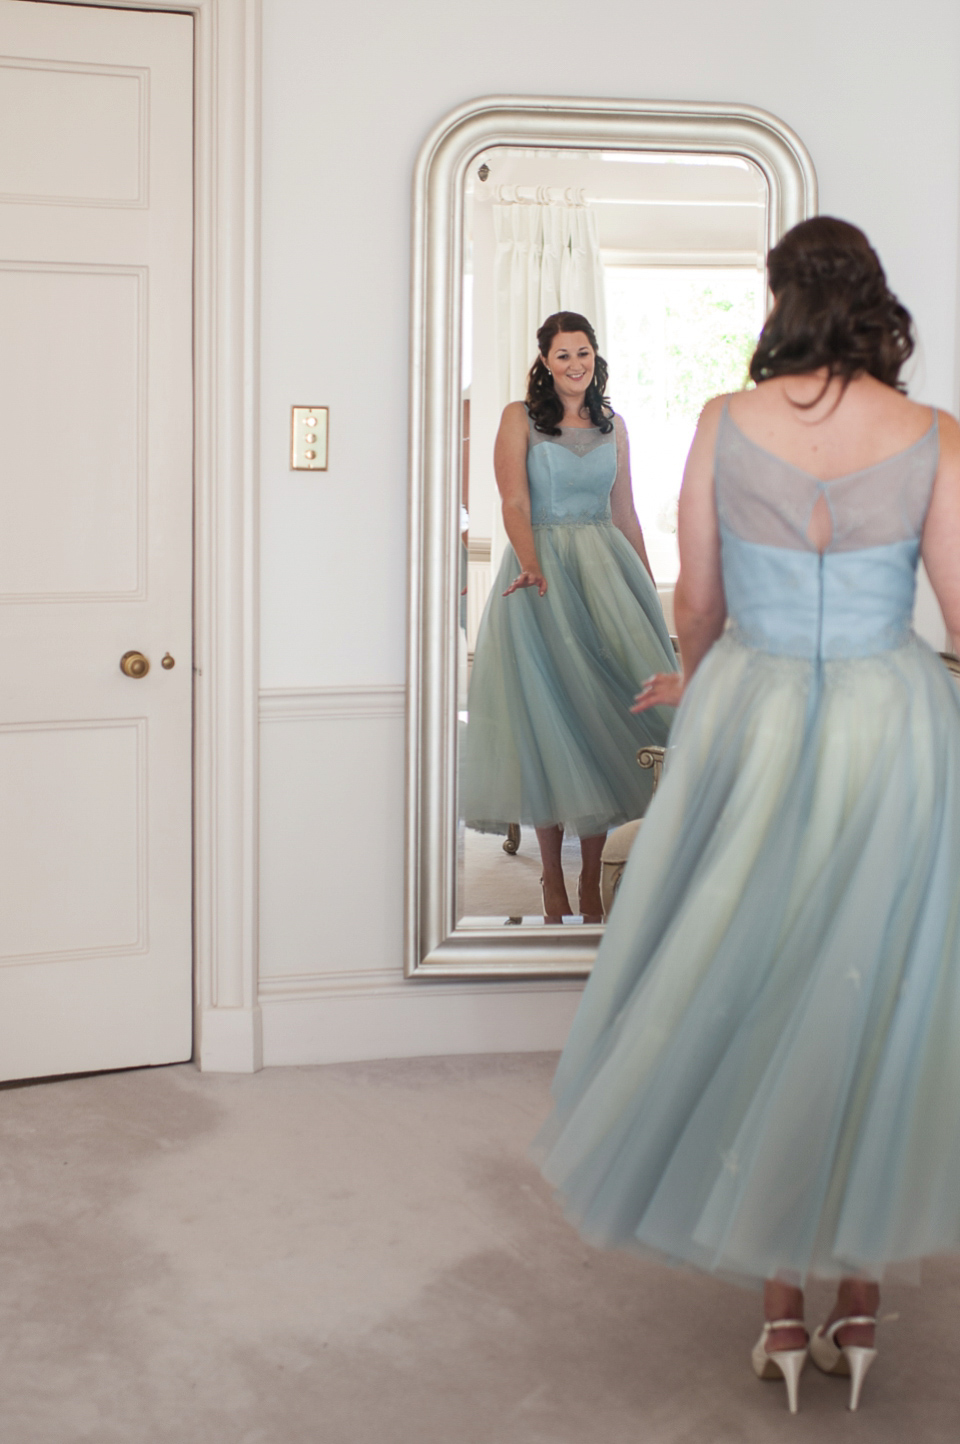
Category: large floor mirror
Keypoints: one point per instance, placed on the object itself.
(654, 222)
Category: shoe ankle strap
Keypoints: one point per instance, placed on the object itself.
(829, 1332)
(772, 1324)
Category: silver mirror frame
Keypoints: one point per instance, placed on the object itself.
(433, 946)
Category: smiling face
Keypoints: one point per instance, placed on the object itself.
(571, 359)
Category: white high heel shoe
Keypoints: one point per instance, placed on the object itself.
(834, 1358)
(785, 1363)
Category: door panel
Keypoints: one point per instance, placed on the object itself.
(96, 446)
(75, 890)
(73, 134)
(80, 540)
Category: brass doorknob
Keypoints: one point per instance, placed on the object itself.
(134, 664)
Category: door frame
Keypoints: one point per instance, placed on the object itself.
(226, 299)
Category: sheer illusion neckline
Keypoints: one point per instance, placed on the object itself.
(845, 476)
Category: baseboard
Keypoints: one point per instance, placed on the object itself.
(230, 1040)
(414, 1021)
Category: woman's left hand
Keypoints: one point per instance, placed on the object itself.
(663, 689)
(529, 578)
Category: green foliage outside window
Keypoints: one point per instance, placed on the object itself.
(698, 345)
(675, 337)
(709, 344)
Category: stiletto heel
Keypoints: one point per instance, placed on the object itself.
(592, 919)
(843, 1359)
(550, 918)
(859, 1360)
(780, 1363)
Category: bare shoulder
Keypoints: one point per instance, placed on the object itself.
(514, 425)
(946, 483)
(914, 416)
(709, 423)
(949, 430)
(514, 415)
(698, 472)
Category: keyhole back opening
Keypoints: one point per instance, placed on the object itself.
(820, 527)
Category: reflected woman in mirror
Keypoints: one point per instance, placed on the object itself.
(572, 626)
(763, 1075)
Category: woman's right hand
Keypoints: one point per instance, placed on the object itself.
(663, 689)
(528, 579)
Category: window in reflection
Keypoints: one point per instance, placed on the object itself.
(677, 335)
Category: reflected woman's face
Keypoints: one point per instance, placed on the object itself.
(571, 361)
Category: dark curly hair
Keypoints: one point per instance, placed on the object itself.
(543, 403)
(833, 308)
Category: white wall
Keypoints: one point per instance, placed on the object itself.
(872, 87)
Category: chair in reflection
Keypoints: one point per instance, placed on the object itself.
(619, 841)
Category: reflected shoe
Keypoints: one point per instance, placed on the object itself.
(780, 1363)
(589, 918)
(843, 1359)
(552, 919)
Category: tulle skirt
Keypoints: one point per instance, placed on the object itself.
(550, 737)
(763, 1077)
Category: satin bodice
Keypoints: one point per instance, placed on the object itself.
(783, 596)
(571, 476)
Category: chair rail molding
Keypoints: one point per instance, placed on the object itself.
(227, 1031)
(348, 702)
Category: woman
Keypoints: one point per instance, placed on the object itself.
(573, 623)
(762, 1077)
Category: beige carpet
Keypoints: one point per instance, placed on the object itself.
(363, 1255)
(496, 885)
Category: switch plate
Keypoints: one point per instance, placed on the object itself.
(308, 438)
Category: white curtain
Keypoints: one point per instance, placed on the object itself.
(547, 260)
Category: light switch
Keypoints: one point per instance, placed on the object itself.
(308, 438)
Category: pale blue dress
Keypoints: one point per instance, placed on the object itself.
(550, 737)
(763, 1077)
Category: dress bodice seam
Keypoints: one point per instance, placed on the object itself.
(812, 551)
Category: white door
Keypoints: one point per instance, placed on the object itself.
(96, 197)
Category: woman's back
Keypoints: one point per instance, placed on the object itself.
(843, 433)
(823, 565)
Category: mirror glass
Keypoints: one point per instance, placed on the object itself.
(664, 255)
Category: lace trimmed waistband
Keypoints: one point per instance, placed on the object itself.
(570, 525)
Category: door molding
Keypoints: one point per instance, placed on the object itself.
(227, 1026)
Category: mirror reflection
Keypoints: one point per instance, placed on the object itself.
(606, 297)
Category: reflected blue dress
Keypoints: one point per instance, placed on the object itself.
(550, 737)
(764, 1074)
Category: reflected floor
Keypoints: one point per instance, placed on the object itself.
(498, 888)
